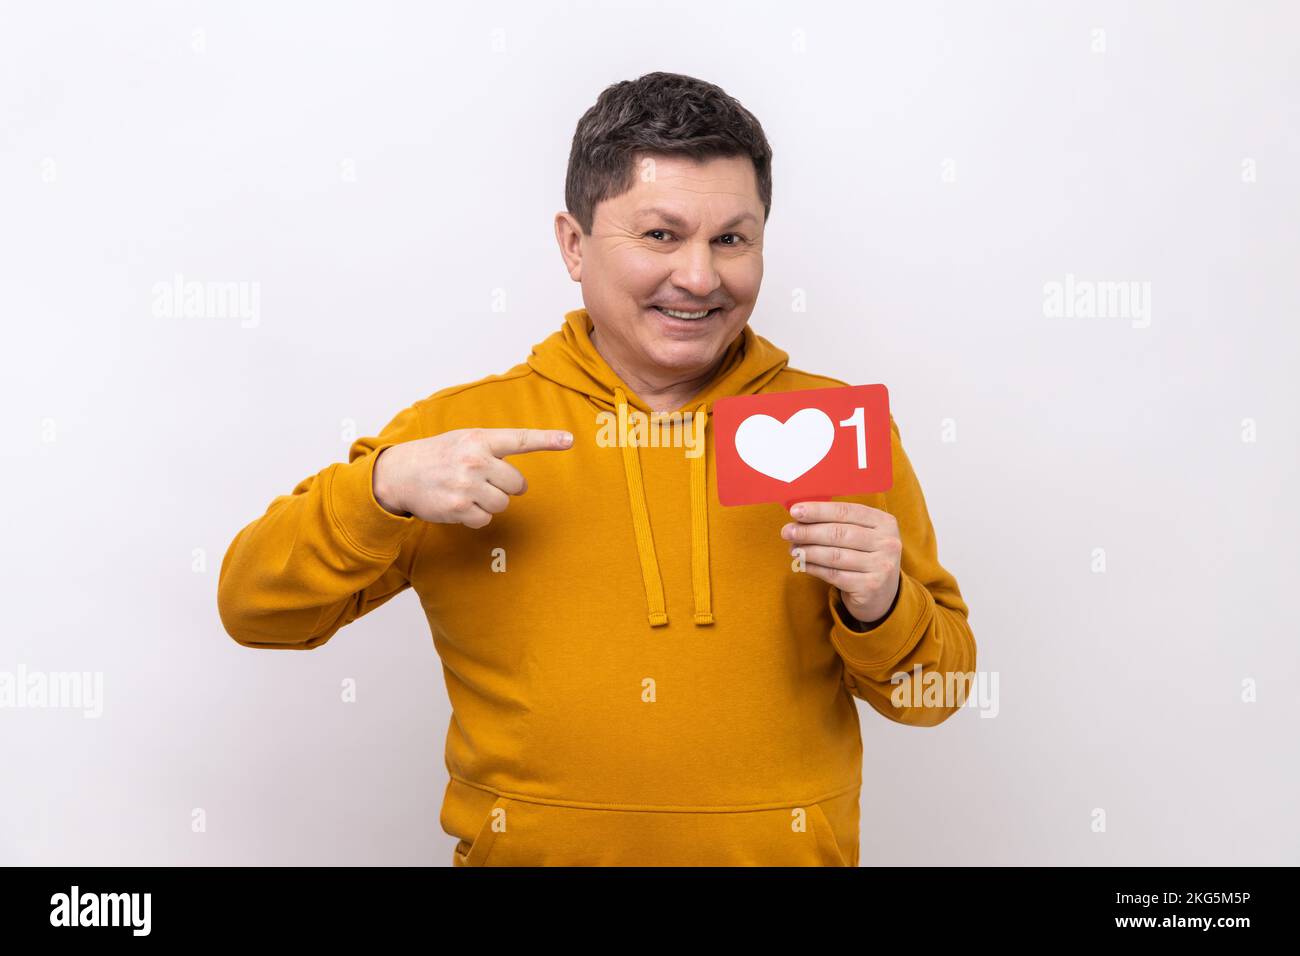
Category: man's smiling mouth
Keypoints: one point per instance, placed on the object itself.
(677, 314)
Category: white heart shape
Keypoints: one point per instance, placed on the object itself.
(785, 451)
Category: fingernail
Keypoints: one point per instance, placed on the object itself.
(797, 511)
(566, 437)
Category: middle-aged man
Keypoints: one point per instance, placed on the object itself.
(637, 676)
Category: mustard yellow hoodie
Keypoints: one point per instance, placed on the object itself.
(638, 675)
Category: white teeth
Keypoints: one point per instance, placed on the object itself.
(684, 315)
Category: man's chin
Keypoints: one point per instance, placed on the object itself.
(689, 358)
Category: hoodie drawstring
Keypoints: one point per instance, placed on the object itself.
(654, 588)
(700, 529)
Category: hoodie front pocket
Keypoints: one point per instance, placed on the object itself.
(527, 833)
(830, 845)
(476, 852)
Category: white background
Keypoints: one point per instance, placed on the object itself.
(380, 169)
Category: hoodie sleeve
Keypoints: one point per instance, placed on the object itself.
(321, 556)
(927, 626)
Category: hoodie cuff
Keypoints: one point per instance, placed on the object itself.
(892, 637)
(364, 522)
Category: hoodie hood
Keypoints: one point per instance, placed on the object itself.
(569, 358)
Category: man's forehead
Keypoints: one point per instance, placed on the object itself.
(667, 186)
(680, 219)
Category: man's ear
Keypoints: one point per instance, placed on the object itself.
(568, 234)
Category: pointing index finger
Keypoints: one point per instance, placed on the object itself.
(517, 441)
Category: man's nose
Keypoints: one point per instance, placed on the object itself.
(694, 269)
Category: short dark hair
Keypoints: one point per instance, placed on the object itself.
(658, 113)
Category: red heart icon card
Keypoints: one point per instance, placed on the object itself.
(812, 444)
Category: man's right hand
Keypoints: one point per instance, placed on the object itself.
(458, 477)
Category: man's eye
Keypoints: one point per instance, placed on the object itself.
(734, 235)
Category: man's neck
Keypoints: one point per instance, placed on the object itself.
(661, 396)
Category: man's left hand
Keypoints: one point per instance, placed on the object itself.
(855, 547)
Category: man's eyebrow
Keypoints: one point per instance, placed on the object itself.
(677, 223)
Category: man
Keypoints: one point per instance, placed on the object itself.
(638, 676)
